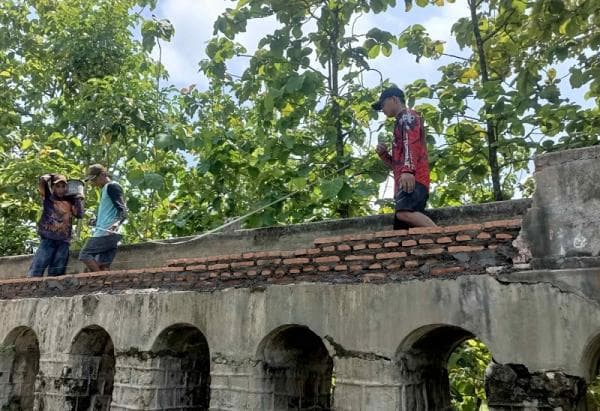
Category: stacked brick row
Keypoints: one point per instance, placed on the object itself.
(383, 256)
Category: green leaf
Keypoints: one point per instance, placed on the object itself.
(331, 188)
(154, 181)
(25, 144)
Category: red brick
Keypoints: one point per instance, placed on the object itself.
(358, 237)
(290, 261)
(308, 268)
(280, 272)
(356, 267)
(341, 267)
(329, 248)
(391, 233)
(370, 277)
(199, 267)
(425, 230)
(464, 227)
(327, 259)
(375, 266)
(374, 245)
(425, 241)
(163, 270)
(361, 246)
(249, 256)
(252, 273)
(294, 271)
(393, 265)
(363, 257)
(426, 251)
(391, 244)
(503, 223)
(463, 237)
(266, 273)
(239, 264)
(411, 264)
(311, 251)
(504, 236)
(287, 254)
(239, 274)
(443, 240)
(225, 274)
(386, 256)
(464, 248)
(483, 236)
(274, 253)
(445, 270)
(409, 243)
(344, 247)
(323, 268)
(327, 240)
(218, 267)
(298, 253)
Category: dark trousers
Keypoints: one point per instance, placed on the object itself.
(52, 254)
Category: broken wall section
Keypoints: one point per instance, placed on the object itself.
(561, 228)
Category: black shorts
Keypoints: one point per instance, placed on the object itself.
(414, 201)
(102, 249)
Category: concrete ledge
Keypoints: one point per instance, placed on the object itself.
(283, 238)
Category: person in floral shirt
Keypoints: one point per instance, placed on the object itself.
(408, 160)
(55, 226)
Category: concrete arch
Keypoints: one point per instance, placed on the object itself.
(182, 351)
(295, 369)
(422, 359)
(89, 376)
(19, 366)
(590, 357)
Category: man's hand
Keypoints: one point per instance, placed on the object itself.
(407, 182)
(381, 148)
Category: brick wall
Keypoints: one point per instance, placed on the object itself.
(379, 257)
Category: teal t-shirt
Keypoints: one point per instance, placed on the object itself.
(110, 209)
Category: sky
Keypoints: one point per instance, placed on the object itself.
(193, 21)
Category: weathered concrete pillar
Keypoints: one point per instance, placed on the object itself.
(365, 382)
(149, 381)
(237, 384)
(513, 387)
(561, 227)
(424, 381)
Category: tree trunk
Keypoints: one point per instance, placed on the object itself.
(492, 137)
(343, 209)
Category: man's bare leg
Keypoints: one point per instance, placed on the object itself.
(93, 265)
(415, 219)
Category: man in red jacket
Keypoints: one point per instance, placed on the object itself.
(408, 159)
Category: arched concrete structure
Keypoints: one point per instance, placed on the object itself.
(88, 379)
(422, 360)
(295, 369)
(365, 295)
(19, 365)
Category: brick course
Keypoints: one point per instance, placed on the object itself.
(396, 255)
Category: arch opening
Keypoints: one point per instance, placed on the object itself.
(19, 366)
(89, 378)
(296, 369)
(442, 367)
(183, 353)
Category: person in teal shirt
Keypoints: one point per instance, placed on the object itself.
(100, 250)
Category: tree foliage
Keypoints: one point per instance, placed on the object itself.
(294, 131)
(502, 101)
(466, 371)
